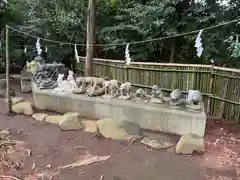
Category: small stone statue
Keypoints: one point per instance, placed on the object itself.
(71, 79)
(110, 88)
(175, 97)
(194, 99)
(140, 94)
(95, 87)
(157, 95)
(125, 91)
(82, 85)
(66, 85)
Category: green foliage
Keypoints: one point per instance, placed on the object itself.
(127, 21)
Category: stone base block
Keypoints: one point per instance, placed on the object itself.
(148, 116)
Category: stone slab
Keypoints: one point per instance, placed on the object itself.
(148, 116)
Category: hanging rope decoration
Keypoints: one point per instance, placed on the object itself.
(76, 53)
(38, 47)
(127, 55)
(198, 44)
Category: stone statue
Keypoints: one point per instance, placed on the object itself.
(95, 87)
(140, 94)
(66, 85)
(47, 74)
(32, 66)
(175, 98)
(194, 99)
(157, 95)
(81, 85)
(110, 88)
(125, 91)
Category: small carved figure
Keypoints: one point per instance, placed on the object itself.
(71, 80)
(125, 91)
(111, 88)
(95, 87)
(157, 95)
(175, 97)
(66, 85)
(194, 99)
(81, 86)
(140, 94)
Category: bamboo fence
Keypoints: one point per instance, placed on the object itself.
(220, 86)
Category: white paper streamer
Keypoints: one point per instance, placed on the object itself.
(46, 49)
(76, 53)
(198, 44)
(127, 55)
(38, 47)
(25, 50)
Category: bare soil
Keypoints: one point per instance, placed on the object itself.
(50, 145)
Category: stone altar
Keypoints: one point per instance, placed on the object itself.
(151, 116)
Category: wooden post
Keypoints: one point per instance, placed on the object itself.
(9, 103)
(90, 37)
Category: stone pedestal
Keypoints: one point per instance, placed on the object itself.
(26, 82)
(148, 116)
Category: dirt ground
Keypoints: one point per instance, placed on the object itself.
(50, 148)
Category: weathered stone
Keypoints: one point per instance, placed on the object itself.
(15, 100)
(23, 108)
(189, 143)
(156, 143)
(71, 121)
(118, 130)
(54, 119)
(39, 116)
(26, 86)
(90, 126)
(2, 84)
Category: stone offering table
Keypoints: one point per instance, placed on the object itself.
(148, 116)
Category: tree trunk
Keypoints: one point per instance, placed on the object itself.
(90, 37)
(172, 52)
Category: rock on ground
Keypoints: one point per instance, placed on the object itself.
(39, 116)
(118, 130)
(157, 143)
(189, 143)
(54, 119)
(23, 108)
(71, 121)
(15, 100)
(90, 126)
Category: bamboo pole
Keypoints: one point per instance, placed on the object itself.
(9, 103)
